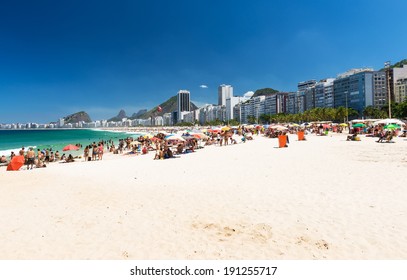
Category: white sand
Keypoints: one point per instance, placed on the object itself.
(324, 198)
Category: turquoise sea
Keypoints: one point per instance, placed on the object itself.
(13, 140)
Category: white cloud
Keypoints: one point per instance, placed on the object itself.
(203, 86)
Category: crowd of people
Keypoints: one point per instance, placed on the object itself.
(166, 146)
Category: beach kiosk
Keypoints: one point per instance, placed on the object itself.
(301, 136)
(282, 141)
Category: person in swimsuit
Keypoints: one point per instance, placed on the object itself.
(30, 158)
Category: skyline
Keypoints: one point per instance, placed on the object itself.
(60, 58)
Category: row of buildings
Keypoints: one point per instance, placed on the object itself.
(356, 88)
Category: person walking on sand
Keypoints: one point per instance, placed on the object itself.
(94, 151)
(30, 158)
(100, 151)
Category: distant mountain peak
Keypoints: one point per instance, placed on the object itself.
(121, 115)
(168, 106)
(138, 114)
(81, 116)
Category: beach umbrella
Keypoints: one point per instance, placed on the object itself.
(225, 128)
(359, 125)
(279, 127)
(199, 135)
(343, 124)
(70, 147)
(392, 126)
(174, 137)
(294, 124)
(16, 163)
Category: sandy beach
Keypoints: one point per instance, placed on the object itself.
(324, 198)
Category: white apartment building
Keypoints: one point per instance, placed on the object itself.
(400, 90)
(224, 92)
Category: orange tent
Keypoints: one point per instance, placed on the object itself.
(16, 163)
(70, 147)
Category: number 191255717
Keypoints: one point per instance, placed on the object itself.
(249, 270)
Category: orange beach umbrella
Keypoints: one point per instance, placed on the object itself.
(70, 147)
(16, 163)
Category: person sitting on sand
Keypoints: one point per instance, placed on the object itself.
(57, 155)
(3, 159)
(52, 157)
(144, 150)
(389, 136)
(12, 155)
(69, 158)
(159, 154)
(382, 137)
(167, 152)
(352, 137)
(180, 148)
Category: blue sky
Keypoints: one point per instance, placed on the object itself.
(60, 57)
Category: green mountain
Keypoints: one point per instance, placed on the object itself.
(400, 63)
(397, 64)
(168, 106)
(264, 91)
(77, 117)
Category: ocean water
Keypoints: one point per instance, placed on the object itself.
(13, 140)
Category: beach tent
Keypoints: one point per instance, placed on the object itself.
(70, 147)
(358, 121)
(389, 121)
(16, 163)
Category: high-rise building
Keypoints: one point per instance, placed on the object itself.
(400, 90)
(183, 103)
(324, 94)
(292, 103)
(354, 90)
(306, 94)
(395, 74)
(275, 103)
(380, 90)
(231, 103)
(224, 92)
